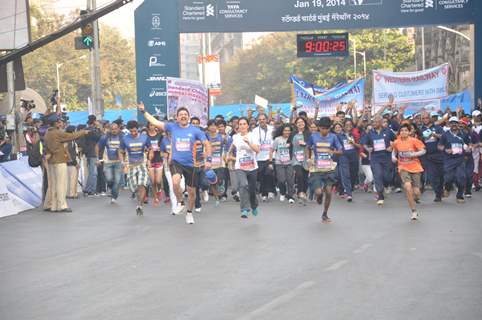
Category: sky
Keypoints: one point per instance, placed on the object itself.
(122, 18)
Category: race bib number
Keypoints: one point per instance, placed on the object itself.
(155, 147)
(246, 163)
(216, 159)
(324, 164)
(265, 147)
(300, 155)
(183, 146)
(404, 157)
(284, 156)
(379, 145)
(457, 148)
(347, 145)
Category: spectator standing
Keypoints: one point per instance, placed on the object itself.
(88, 145)
(56, 156)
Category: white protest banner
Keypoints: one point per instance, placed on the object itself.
(405, 87)
(260, 101)
(190, 94)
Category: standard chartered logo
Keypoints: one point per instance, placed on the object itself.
(210, 10)
(428, 3)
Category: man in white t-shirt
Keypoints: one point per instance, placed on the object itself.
(263, 137)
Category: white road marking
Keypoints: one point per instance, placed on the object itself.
(336, 265)
(362, 248)
(281, 300)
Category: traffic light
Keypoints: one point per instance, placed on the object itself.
(87, 32)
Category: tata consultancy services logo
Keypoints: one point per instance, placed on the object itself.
(210, 10)
(428, 3)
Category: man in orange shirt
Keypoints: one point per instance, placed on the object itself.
(406, 151)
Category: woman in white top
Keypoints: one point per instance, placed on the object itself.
(246, 167)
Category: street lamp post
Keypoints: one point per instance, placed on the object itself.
(58, 65)
(362, 53)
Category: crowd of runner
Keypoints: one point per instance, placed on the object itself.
(264, 156)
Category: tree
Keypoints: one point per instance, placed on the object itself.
(116, 56)
(266, 67)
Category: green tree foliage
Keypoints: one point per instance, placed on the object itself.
(266, 67)
(116, 56)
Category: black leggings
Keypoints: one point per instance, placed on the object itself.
(301, 179)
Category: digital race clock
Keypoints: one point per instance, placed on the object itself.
(322, 45)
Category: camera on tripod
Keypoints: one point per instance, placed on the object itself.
(27, 105)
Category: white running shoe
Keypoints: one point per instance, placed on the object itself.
(270, 195)
(415, 215)
(380, 202)
(282, 198)
(189, 218)
(178, 209)
(197, 210)
(205, 196)
(264, 198)
(291, 201)
(112, 201)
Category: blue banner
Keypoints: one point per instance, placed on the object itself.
(330, 99)
(295, 15)
(462, 99)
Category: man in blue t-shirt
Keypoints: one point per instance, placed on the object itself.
(454, 145)
(135, 145)
(321, 147)
(378, 142)
(184, 137)
(433, 160)
(108, 149)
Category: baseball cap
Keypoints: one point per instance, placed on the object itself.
(454, 119)
(476, 113)
(465, 121)
(211, 177)
(434, 114)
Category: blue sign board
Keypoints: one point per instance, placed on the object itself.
(157, 52)
(295, 15)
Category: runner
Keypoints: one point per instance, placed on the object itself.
(263, 137)
(453, 145)
(406, 151)
(109, 153)
(154, 163)
(284, 169)
(299, 138)
(433, 160)
(322, 146)
(246, 167)
(218, 165)
(378, 142)
(135, 145)
(184, 137)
